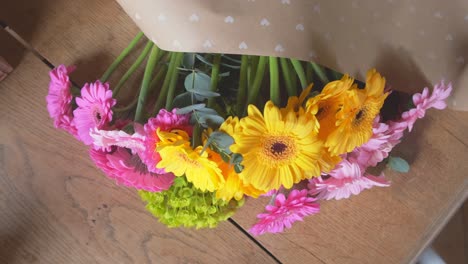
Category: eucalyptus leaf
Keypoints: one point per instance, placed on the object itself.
(189, 109)
(189, 60)
(202, 59)
(203, 93)
(231, 66)
(222, 140)
(398, 164)
(211, 120)
(207, 110)
(182, 100)
(232, 59)
(238, 168)
(198, 81)
(236, 158)
(224, 74)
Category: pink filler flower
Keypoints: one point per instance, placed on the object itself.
(285, 212)
(423, 102)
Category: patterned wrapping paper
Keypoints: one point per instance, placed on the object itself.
(414, 43)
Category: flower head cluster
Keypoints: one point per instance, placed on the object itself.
(185, 205)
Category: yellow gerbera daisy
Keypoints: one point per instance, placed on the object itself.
(234, 187)
(354, 120)
(325, 105)
(180, 159)
(277, 149)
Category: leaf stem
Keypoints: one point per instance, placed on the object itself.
(121, 57)
(146, 83)
(253, 69)
(253, 93)
(214, 77)
(165, 86)
(132, 68)
(320, 72)
(242, 91)
(127, 107)
(300, 72)
(274, 81)
(287, 77)
(172, 85)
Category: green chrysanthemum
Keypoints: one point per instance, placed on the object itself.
(184, 205)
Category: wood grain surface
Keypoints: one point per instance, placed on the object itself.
(57, 208)
(385, 225)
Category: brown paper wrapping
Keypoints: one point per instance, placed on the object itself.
(414, 43)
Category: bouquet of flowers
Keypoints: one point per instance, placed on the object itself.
(206, 131)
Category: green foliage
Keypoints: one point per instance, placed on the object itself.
(184, 205)
(398, 164)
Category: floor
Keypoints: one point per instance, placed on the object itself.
(57, 208)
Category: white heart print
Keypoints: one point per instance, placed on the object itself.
(207, 44)
(243, 45)
(300, 27)
(265, 22)
(229, 20)
(279, 48)
(194, 18)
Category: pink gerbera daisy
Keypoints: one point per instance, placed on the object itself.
(285, 212)
(59, 98)
(165, 121)
(94, 109)
(384, 138)
(128, 170)
(345, 180)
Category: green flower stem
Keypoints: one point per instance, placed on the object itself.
(146, 83)
(337, 75)
(172, 85)
(242, 91)
(320, 72)
(287, 77)
(127, 107)
(165, 86)
(121, 57)
(214, 77)
(162, 71)
(253, 69)
(260, 72)
(274, 81)
(309, 73)
(132, 68)
(196, 137)
(293, 75)
(300, 72)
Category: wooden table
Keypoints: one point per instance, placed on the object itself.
(56, 207)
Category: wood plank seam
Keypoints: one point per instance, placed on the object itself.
(25, 44)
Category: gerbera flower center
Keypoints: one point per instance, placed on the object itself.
(97, 116)
(360, 116)
(279, 148)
